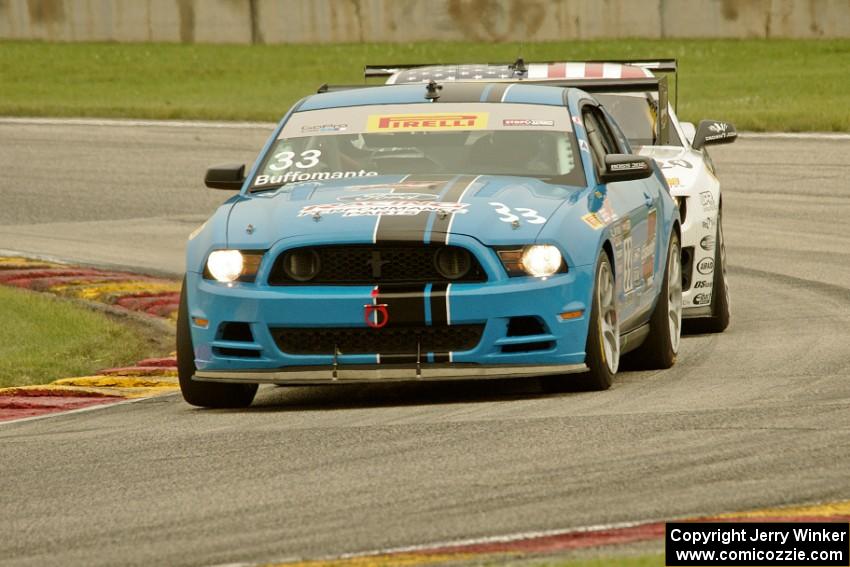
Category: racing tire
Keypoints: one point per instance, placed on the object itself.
(603, 337)
(721, 311)
(197, 393)
(661, 346)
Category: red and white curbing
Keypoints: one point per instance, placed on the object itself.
(152, 297)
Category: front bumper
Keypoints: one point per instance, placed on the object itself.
(558, 347)
(386, 373)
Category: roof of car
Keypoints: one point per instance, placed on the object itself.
(532, 72)
(448, 91)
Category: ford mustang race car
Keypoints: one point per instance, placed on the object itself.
(638, 102)
(432, 232)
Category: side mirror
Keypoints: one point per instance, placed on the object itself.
(230, 176)
(689, 130)
(626, 167)
(710, 132)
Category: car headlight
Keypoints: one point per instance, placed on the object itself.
(539, 260)
(227, 266)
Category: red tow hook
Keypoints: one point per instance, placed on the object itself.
(376, 314)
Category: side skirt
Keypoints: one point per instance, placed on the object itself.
(633, 339)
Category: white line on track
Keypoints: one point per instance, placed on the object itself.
(85, 409)
(270, 125)
(796, 135)
(507, 538)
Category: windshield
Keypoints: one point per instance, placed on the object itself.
(635, 114)
(481, 139)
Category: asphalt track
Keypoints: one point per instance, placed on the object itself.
(758, 416)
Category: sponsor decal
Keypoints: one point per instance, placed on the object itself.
(628, 166)
(389, 187)
(702, 299)
(606, 213)
(720, 136)
(324, 128)
(427, 121)
(673, 181)
(582, 144)
(670, 164)
(389, 197)
(703, 284)
(705, 266)
(721, 131)
(384, 208)
(527, 122)
(505, 214)
(708, 224)
(577, 121)
(293, 176)
(707, 242)
(629, 271)
(593, 221)
(376, 314)
(707, 200)
(648, 256)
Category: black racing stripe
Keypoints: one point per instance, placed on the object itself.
(461, 92)
(438, 304)
(405, 307)
(394, 228)
(439, 230)
(496, 93)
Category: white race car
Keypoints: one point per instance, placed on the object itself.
(635, 93)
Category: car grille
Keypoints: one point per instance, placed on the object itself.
(386, 340)
(376, 264)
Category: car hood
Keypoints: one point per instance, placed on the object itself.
(680, 166)
(493, 209)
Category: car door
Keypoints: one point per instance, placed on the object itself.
(653, 256)
(626, 206)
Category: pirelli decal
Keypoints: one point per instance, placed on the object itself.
(427, 122)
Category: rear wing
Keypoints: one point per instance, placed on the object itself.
(659, 65)
(519, 67)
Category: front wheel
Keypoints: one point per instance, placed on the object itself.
(661, 346)
(204, 394)
(602, 350)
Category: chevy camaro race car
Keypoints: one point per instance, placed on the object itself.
(633, 95)
(432, 232)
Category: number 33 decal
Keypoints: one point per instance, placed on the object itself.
(284, 160)
(507, 216)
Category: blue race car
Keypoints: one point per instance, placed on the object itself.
(432, 232)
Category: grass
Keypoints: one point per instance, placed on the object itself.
(789, 85)
(43, 338)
